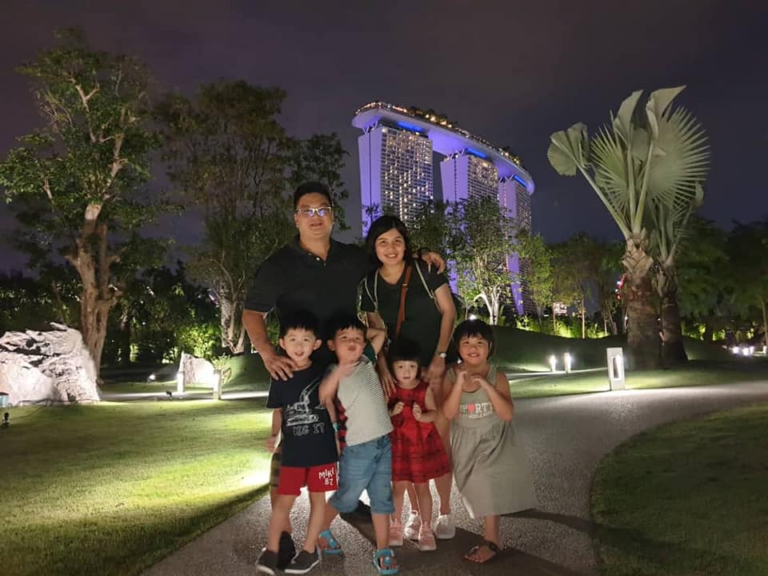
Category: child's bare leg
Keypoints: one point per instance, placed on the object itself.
(444, 484)
(425, 502)
(398, 496)
(491, 528)
(281, 511)
(273, 496)
(381, 529)
(316, 519)
(413, 498)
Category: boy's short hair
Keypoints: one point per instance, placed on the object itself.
(312, 188)
(404, 351)
(300, 320)
(341, 322)
(476, 328)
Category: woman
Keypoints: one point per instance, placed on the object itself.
(412, 302)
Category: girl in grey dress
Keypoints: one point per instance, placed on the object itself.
(489, 466)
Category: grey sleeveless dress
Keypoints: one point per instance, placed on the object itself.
(489, 465)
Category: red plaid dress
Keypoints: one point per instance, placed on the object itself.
(417, 450)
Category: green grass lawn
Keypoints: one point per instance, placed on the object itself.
(700, 373)
(111, 489)
(687, 498)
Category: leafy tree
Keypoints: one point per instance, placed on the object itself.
(483, 238)
(432, 229)
(703, 276)
(228, 153)
(536, 270)
(607, 273)
(569, 279)
(746, 249)
(76, 185)
(646, 167)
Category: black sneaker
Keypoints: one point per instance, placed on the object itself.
(304, 562)
(267, 562)
(286, 551)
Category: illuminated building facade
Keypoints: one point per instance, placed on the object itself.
(396, 169)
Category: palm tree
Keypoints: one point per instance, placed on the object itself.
(645, 167)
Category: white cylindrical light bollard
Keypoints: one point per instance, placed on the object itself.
(568, 362)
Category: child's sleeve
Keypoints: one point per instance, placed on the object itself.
(275, 398)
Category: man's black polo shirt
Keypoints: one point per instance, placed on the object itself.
(293, 279)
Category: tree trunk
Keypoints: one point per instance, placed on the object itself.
(583, 311)
(554, 320)
(125, 337)
(97, 296)
(765, 322)
(643, 332)
(709, 332)
(673, 349)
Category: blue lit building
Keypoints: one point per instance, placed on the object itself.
(396, 168)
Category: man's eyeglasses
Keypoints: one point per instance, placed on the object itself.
(309, 212)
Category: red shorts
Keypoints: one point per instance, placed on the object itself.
(316, 478)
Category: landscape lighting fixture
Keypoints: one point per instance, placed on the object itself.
(568, 362)
(553, 362)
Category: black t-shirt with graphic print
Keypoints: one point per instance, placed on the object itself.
(308, 436)
(422, 318)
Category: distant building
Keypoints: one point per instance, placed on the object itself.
(396, 169)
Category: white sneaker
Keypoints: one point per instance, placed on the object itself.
(412, 526)
(444, 528)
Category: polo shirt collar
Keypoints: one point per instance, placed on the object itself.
(297, 246)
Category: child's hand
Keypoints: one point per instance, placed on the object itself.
(482, 382)
(461, 377)
(271, 443)
(397, 408)
(417, 412)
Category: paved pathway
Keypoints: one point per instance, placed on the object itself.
(566, 437)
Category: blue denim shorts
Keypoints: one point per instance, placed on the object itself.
(366, 466)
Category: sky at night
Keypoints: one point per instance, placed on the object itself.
(511, 72)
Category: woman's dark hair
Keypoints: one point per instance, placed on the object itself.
(478, 329)
(382, 225)
(403, 351)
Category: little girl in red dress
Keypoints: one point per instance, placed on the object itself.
(418, 454)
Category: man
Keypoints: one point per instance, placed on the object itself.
(313, 272)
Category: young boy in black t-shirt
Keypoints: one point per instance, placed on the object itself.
(309, 449)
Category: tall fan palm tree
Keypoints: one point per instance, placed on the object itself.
(646, 167)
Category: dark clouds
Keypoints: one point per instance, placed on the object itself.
(512, 72)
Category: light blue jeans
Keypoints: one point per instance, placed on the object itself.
(366, 466)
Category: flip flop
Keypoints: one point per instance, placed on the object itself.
(333, 545)
(490, 545)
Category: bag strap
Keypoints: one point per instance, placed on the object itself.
(403, 292)
(375, 296)
(427, 289)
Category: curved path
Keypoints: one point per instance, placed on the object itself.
(566, 437)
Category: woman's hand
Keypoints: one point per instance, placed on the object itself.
(436, 369)
(388, 381)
